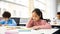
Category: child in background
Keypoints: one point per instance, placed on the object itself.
(37, 22)
(6, 21)
(57, 19)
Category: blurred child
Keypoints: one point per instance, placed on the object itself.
(7, 21)
(57, 19)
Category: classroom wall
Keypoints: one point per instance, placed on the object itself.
(58, 10)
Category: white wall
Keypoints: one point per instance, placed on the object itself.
(58, 7)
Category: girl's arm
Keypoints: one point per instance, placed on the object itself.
(44, 25)
(29, 24)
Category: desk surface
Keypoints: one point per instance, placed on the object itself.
(24, 30)
(56, 24)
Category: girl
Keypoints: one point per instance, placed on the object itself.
(37, 22)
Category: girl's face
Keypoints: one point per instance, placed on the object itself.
(35, 17)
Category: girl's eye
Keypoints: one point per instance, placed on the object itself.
(34, 16)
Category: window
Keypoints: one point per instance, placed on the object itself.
(41, 4)
(18, 8)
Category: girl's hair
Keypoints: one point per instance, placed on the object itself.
(38, 12)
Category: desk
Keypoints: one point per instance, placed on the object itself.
(55, 25)
(25, 30)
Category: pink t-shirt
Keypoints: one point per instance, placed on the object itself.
(41, 23)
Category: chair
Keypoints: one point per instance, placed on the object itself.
(24, 21)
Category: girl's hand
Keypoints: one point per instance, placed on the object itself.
(35, 27)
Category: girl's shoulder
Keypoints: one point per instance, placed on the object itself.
(43, 20)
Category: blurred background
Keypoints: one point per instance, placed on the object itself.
(22, 9)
